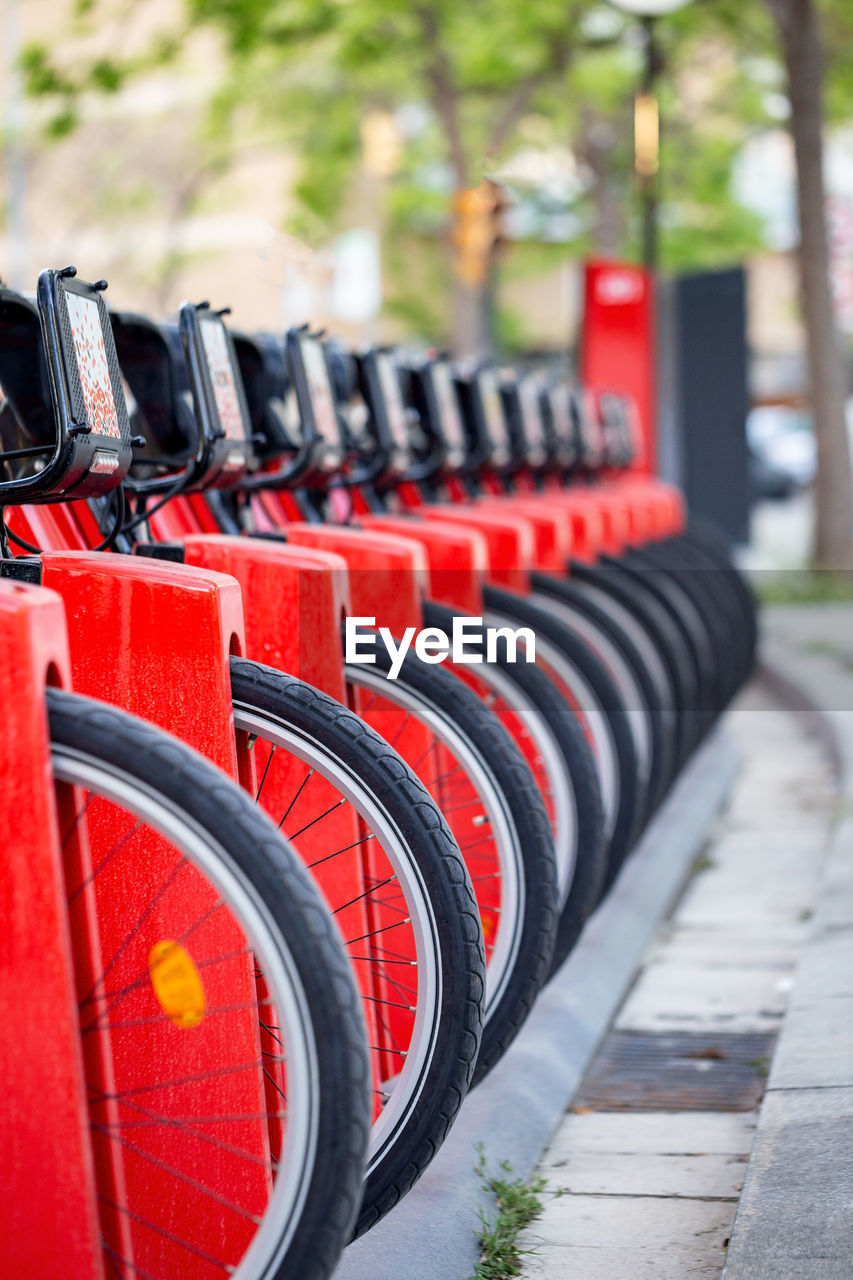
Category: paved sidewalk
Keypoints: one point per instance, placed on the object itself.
(795, 1216)
(645, 1170)
(433, 1233)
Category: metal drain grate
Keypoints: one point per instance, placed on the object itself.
(685, 1072)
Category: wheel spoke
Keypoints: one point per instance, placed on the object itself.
(116, 849)
(114, 998)
(161, 1231)
(174, 1172)
(158, 897)
(346, 848)
(295, 835)
(188, 1127)
(296, 797)
(266, 771)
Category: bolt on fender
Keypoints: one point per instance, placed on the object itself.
(433, 644)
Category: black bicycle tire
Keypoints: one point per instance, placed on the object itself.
(713, 604)
(731, 589)
(629, 814)
(631, 594)
(702, 538)
(439, 863)
(661, 719)
(590, 868)
(498, 753)
(686, 616)
(251, 844)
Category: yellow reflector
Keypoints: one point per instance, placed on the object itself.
(177, 983)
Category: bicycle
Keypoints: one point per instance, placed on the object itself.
(215, 1073)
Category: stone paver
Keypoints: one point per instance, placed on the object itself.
(800, 1226)
(716, 1176)
(750, 950)
(654, 1194)
(795, 1215)
(432, 1234)
(692, 997)
(826, 1022)
(645, 1133)
(608, 1237)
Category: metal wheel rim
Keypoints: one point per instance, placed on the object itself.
(271, 1241)
(564, 826)
(508, 939)
(604, 749)
(636, 707)
(409, 1083)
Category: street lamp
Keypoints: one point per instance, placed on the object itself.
(646, 120)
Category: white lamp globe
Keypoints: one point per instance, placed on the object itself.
(649, 8)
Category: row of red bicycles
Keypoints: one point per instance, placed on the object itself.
(338, 687)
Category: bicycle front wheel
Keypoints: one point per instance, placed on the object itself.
(482, 783)
(223, 1048)
(391, 872)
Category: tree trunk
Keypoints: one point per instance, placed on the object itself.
(797, 21)
(596, 144)
(473, 233)
(469, 333)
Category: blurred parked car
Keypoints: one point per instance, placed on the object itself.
(782, 450)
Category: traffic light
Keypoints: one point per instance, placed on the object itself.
(477, 230)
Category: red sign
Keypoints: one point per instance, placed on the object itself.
(618, 342)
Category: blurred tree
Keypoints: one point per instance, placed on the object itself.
(709, 104)
(537, 96)
(809, 41)
(501, 88)
(480, 68)
(487, 68)
(316, 68)
(121, 173)
(501, 81)
(798, 24)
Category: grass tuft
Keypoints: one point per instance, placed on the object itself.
(803, 586)
(517, 1204)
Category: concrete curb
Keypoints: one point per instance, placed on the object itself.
(795, 1215)
(432, 1234)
